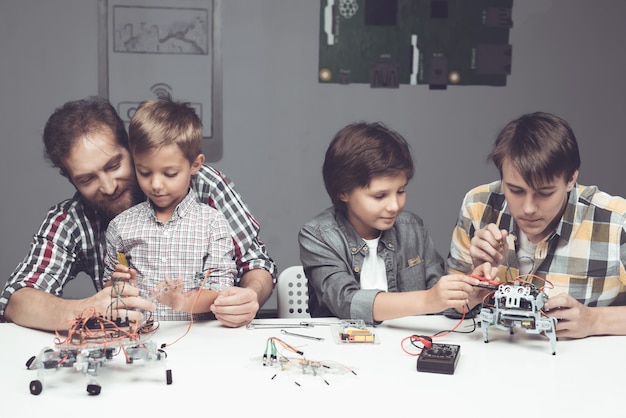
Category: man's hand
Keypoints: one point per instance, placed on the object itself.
(120, 299)
(488, 245)
(37, 309)
(235, 306)
(487, 271)
(574, 320)
(170, 293)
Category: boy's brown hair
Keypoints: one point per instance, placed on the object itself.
(161, 122)
(360, 152)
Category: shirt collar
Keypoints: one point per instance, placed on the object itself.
(356, 243)
(181, 209)
(566, 225)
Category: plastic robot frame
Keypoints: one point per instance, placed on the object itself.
(519, 304)
(91, 342)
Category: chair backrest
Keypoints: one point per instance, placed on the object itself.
(292, 293)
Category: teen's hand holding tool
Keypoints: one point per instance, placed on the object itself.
(489, 245)
(537, 222)
(574, 319)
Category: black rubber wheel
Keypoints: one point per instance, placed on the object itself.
(36, 387)
(94, 389)
(168, 376)
(30, 361)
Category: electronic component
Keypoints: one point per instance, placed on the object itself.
(355, 331)
(121, 258)
(439, 358)
(485, 282)
(519, 305)
(272, 356)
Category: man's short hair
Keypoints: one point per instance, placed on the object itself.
(540, 146)
(75, 120)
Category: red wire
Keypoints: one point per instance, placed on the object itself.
(421, 337)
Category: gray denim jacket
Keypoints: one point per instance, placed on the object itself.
(332, 255)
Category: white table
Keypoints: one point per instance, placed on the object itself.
(219, 370)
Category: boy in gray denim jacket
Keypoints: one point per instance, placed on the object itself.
(366, 258)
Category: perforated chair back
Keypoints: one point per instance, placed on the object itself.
(292, 293)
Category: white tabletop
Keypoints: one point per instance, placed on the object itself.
(220, 369)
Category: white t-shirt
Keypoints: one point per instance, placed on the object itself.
(373, 273)
(525, 254)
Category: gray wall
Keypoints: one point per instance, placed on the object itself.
(568, 58)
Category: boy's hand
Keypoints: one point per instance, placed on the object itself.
(170, 293)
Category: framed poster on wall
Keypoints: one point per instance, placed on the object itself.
(149, 48)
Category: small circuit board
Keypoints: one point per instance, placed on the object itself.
(355, 331)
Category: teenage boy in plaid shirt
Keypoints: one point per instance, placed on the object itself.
(538, 223)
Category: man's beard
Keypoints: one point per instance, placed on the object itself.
(108, 210)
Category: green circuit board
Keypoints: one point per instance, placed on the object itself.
(439, 43)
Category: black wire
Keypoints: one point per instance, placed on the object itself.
(474, 326)
(413, 339)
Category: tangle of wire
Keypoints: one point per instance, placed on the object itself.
(526, 278)
(90, 328)
(426, 340)
(117, 301)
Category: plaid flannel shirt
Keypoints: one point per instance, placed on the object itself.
(71, 240)
(584, 256)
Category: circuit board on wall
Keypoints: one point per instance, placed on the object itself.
(438, 43)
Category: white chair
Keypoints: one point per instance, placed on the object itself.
(292, 293)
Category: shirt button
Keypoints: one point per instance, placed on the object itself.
(356, 269)
(353, 250)
(390, 245)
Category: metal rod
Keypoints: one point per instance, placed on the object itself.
(310, 337)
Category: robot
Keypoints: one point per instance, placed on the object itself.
(519, 305)
(91, 342)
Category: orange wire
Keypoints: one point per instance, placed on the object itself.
(193, 304)
(284, 344)
(107, 332)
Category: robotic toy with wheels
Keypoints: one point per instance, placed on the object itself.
(91, 342)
